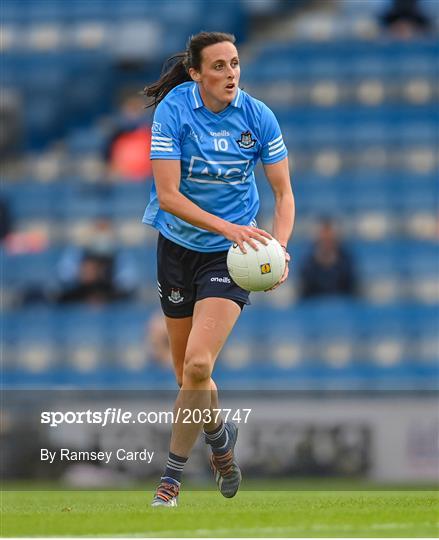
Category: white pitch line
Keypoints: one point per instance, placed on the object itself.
(178, 533)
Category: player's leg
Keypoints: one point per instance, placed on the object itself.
(215, 417)
(212, 322)
(174, 265)
(178, 332)
(222, 439)
(214, 282)
(213, 319)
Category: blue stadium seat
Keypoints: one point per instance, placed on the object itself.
(342, 59)
(420, 260)
(86, 141)
(24, 272)
(130, 199)
(415, 195)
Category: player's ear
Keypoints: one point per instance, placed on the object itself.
(194, 74)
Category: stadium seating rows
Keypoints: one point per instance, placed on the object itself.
(344, 194)
(360, 119)
(388, 270)
(313, 340)
(78, 84)
(345, 59)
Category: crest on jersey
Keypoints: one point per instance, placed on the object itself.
(246, 140)
(176, 297)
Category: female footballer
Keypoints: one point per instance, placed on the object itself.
(207, 136)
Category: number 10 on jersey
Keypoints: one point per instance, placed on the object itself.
(221, 145)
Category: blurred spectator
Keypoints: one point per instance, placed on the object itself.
(405, 19)
(5, 219)
(34, 240)
(128, 147)
(94, 284)
(157, 342)
(98, 272)
(328, 269)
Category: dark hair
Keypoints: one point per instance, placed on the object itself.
(176, 68)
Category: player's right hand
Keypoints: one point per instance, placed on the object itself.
(238, 234)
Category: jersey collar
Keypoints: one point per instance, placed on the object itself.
(197, 102)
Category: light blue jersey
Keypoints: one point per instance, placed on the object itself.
(218, 153)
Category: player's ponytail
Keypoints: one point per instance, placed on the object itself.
(176, 69)
(174, 72)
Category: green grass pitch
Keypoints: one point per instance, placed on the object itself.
(320, 513)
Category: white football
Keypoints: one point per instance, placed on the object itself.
(256, 270)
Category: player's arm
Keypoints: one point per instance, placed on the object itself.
(274, 157)
(167, 180)
(278, 176)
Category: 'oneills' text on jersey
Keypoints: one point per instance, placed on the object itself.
(218, 153)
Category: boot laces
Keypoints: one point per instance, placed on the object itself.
(222, 463)
(166, 491)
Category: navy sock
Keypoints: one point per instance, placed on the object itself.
(174, 467)
(218, 439)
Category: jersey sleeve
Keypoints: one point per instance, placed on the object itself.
(165, 132)
(273, 147)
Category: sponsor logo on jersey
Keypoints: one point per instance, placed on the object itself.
(265, 268)
(246, 140)
(175, 296)
(156, 127)
(223, 133)
(217, 172)
(224, 279)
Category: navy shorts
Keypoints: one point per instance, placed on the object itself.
(185, 276)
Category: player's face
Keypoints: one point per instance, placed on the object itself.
(219, 75)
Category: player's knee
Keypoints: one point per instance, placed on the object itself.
(197, 369)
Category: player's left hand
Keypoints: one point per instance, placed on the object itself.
(285, 274)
